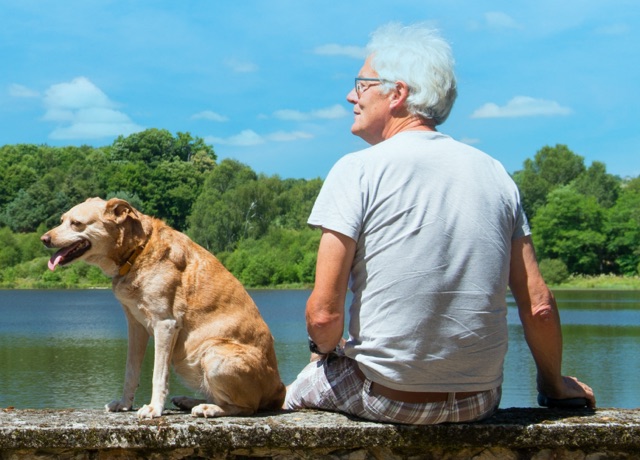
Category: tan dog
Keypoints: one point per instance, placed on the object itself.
(201, 318)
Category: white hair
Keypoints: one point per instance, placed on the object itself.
(420, 57)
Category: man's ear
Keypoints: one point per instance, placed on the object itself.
(119, 210)
(399, 95)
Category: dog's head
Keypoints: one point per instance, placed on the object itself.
(93, 231)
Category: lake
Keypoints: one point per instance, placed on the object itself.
(67, 349)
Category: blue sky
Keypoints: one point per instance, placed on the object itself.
(265, 82)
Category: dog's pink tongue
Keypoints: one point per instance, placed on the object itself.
(54, 261)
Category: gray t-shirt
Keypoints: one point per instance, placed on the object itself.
(433, 220)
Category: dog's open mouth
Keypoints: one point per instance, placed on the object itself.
(69, 254)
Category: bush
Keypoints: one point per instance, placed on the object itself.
(9, 251)
(554, 271)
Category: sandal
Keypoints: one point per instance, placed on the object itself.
(569, 403)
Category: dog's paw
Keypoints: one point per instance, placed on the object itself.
(186, 403)
(149, 411)
(207, 410)
(117, 406)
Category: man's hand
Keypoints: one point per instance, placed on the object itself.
(571, 388)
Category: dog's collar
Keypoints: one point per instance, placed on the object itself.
(124, 269)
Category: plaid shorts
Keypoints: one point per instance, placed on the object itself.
(332, 384)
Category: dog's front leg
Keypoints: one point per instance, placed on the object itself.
(138, 338)
(165, 333)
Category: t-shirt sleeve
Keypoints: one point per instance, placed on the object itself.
(521, 228)
(340, 203)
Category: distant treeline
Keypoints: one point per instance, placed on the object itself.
(585, 220)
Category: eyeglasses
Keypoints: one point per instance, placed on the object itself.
(360, 88)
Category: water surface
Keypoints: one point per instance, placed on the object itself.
(67, 349)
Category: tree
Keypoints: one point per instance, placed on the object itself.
(554, 271)
(295, 202)
(155, 145)
(171, 190)
(228, 175)
(551, 167)
(235, 204)
(623, 228)
(282, 256)
(166, 173)
(571, 227)
(597, 183)
(149, 146)
(133, 199)
(218, 216)
(20, 168)
(14, 178)
(9, 251)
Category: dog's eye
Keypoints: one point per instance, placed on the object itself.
(77, 225)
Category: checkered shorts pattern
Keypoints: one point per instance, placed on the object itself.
(332, 384)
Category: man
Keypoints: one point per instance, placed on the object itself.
(429, 232)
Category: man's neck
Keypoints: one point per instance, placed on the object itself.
(412, 123)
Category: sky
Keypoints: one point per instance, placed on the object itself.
(265, 81)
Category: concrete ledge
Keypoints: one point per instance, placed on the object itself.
(511, 434)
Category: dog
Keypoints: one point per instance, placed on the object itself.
(201, 318)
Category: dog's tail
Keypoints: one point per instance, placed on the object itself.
(276, 401)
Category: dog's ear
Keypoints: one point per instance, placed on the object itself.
(119, 210)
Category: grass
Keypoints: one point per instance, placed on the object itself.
(601, 282)
(631, 283)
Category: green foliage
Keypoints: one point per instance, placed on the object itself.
(623, 229)
(295, 202)
(597, 183)
(9, 251)
(223, 210)
(281, 257)
(39, 183)
(133, 199)
(554, 271)
(584, 220)
(570, 227)
(165, 172)
(581, 216)
(16, 248)
(551, 167)
(35, 274)
(236, 204)
(157, 145)
(602, 282)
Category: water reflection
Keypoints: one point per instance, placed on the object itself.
(67, 349)
(601, 334)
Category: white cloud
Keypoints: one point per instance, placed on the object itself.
(333, 49)
(209, 115)
(246, 138)
(613, 29)
(291, 115)
(282, 136)
(470, 140)
(84, 111)
(500, 20)
(249, 138)
(241, 66)
(521, 106)
(77, 94)
(82, 130)
(329, 113)
(16, 90)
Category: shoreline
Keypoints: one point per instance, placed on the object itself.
(597, 283)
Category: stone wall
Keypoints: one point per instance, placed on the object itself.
(511, 434)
